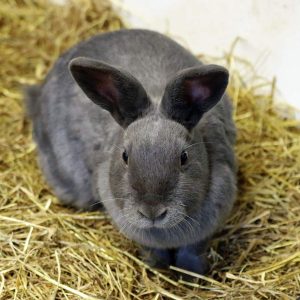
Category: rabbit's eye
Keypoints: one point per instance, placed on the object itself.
(125, 157)
(183, 157)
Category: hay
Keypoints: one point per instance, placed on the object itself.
(50, 252)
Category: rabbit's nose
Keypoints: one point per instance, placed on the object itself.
(153, 214)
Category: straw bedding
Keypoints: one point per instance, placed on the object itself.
(48, 251)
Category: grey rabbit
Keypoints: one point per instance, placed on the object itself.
(133, 121)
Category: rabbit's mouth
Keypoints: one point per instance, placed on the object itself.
(181, 233)
(162, 217)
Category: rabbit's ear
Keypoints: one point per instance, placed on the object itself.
(114, 90)
(193, 92)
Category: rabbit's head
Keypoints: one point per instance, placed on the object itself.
(159, 171)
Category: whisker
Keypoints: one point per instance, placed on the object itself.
(192, 145)
(95, 203)
(187, 216)
(185, 220)
(202, 142)
(108, 200)
(118, 147)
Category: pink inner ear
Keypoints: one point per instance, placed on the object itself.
(106, 87)
(197, 91)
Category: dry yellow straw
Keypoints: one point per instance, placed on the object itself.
(48, 251)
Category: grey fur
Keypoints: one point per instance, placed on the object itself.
(80, 144)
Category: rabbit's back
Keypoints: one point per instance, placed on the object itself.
(150, 57)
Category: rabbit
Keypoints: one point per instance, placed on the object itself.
(132, 122)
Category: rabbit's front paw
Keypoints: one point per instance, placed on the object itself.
(191, 261)
(157, 258)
